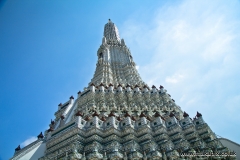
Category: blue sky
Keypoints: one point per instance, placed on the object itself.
(48, 53)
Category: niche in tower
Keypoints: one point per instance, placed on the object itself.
(101, 55)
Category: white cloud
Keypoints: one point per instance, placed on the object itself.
(193, 51)
(28, 141)
(137, 67)
(174, 79)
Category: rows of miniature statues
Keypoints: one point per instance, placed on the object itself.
(129, 133)
(126, 97)
(107, 98)
(145, 138)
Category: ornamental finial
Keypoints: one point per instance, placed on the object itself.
(199, 114)
(111, 32)
(40, 136)
(185, 114)
(18, 148)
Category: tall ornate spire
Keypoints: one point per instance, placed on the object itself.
(115, 63)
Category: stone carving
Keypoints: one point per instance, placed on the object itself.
(76, 155)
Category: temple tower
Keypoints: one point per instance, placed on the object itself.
(118, 116)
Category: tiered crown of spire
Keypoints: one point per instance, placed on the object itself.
(111, 31)
(115, 63)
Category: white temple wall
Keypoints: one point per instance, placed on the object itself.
(35, 153)
(231, 145)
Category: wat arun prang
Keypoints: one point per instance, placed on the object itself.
(118, 116)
